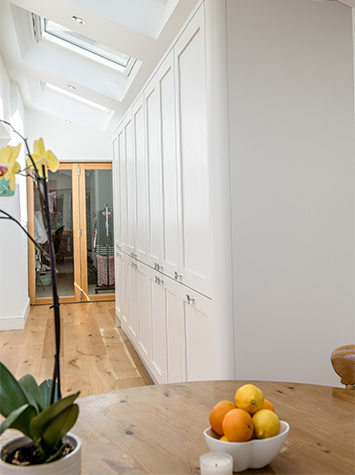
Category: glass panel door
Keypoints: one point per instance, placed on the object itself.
(81, 211)
(62, 218)
(97, 224)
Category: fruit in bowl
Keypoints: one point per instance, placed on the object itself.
(249, 430)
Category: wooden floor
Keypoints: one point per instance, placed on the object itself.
(96, 356)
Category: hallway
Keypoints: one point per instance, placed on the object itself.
(96, 356)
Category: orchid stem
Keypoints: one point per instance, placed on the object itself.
(8, 216)
(56, 375)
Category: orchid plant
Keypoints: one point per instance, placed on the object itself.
(38, 411)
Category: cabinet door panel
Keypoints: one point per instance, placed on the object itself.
(144, 311)
(199, 338)
(192, 113)
(133, 298)
(116, 188)
(125, 290)
(175, 331)
(131, 187)
(154, 175)
(122, 197)
(169, 166)
(141, 180)
(119, 283)
(158, 356)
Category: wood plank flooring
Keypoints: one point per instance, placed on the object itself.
(96, 356)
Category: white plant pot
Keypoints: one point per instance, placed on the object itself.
(68, 465)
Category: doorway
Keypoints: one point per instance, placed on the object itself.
(81, 211)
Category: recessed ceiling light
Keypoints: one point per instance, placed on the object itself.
(70, 86)
(77, 19)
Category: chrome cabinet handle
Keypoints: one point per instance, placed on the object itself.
(189, 299)
(133, 254)
(158, 280)
(157, 266)
(177, 276)
(133, 264)
(118, 254)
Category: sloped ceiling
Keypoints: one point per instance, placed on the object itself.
(143, 29)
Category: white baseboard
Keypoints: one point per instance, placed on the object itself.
(16, 322)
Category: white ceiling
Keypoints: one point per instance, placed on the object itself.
(143, 29)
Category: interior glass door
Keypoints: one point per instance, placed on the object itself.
(81, 212)
(97, 232)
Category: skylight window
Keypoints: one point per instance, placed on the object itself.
(83, 45)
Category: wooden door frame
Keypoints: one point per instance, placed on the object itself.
(83, 251)
(79, 222)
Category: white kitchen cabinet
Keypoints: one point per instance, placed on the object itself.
(119, 281)
(190, 342)
(169, 257)
(131, 204)
(121, 179)
(155, 199)
(158, 327)
(167, 307)
(141, 184)
(193, 175)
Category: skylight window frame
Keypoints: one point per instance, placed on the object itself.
(79, 49)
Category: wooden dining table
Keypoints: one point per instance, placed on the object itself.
(159, 429)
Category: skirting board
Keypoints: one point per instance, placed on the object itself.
(16, 322)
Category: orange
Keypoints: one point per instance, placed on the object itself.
(217, 415)
(238, 425)
(268, 405)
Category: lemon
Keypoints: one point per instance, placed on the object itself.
(266, 424)
(249, 398)
(224, 438)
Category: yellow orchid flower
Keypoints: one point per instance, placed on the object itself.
(11, 167)
(10, 175)
(41, 156)
(9, 154)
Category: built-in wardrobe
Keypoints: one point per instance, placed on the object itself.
(217, 226)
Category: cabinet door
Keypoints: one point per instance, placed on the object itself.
(119, 282)
(193, 167)
(116, 188)
(166, 85)
(141, 179)
(158, 327)
(132, 281)
(199, 337)
(144, 312)
(125, 291)
(130, 244)
(155, 211)
(122, 190)
(175, 331)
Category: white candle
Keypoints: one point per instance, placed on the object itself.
(214, 463)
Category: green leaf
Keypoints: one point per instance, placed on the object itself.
(12, 395)
(40, 423)
(32, 391)
(59, 426)
(19, 419)
(46, 390)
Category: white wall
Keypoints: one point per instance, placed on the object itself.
(291, 94)
(13, 242)
(68, 141)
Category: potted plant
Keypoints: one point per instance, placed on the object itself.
(38, 411)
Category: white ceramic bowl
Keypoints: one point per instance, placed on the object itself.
(251, 454)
